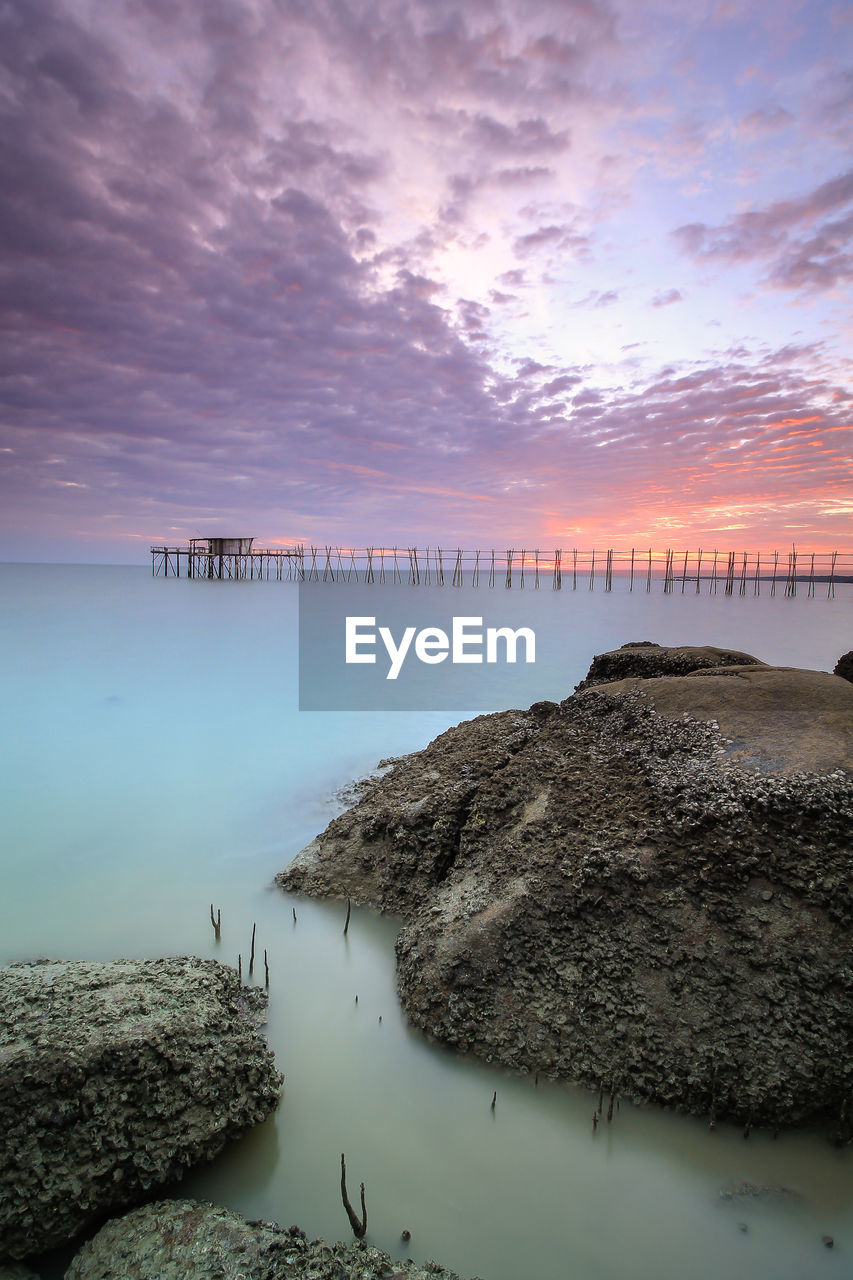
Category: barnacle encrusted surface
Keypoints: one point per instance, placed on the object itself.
(114, 1078)
(188, 1240)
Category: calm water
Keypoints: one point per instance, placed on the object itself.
(156, 761)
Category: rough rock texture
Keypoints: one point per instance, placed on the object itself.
(185, 1240)
(646, 886)
(113, 1079)
(844, 666)
(645, 659)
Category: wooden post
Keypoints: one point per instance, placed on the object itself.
(358, 1227)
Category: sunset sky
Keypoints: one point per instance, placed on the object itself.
(496, 272)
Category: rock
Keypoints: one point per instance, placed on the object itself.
(646, 887)
(15, 1271)
(844, 666)
(185, 1240)
(113, 1079)
(644, 660)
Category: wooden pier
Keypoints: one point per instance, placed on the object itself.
(727, 572)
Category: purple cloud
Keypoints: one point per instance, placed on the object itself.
(667, 299)
(806, 248)
(258, 259)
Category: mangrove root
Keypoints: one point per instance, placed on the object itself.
(359, 1228)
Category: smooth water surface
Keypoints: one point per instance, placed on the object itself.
(155, 762)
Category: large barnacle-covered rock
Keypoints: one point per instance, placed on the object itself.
(646, 886)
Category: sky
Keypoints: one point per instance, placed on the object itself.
(557, 273)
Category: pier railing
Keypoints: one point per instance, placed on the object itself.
(728, 572)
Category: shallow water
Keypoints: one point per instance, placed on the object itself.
(156, 761)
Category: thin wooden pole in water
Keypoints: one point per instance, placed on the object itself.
(358, 1227)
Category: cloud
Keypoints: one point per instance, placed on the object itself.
(557, 238)
(258, 259)
(765, 120)
(805, 245)
(667, 299)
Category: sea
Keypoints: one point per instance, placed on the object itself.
(157, 762)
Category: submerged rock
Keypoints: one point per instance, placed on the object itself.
(186, 1240)
(645, 887)
(113, 1079)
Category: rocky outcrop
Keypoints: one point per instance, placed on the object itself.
(113, 1079)
(646, 887)
(185, 1240)
(844, 666)
(644, 660)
